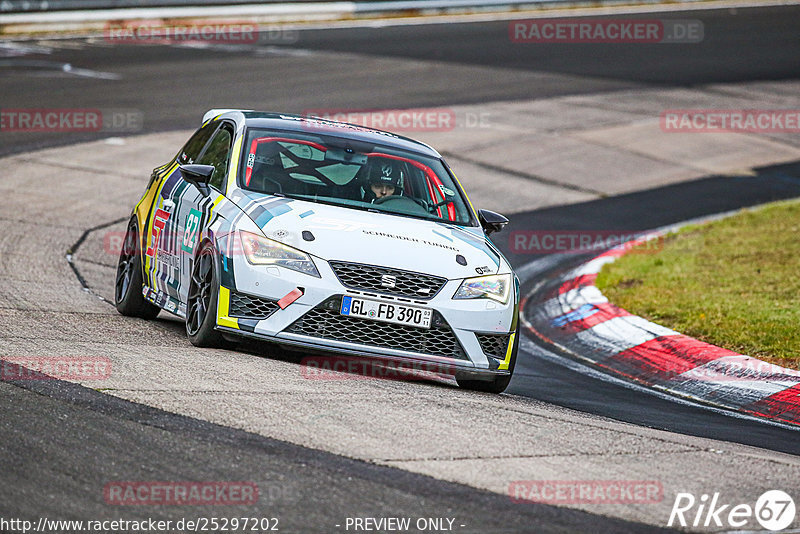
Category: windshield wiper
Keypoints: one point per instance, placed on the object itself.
(287, 195)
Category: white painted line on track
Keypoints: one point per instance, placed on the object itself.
(65, 68)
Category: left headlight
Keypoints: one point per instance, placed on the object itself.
(496, 287)
(262, 251)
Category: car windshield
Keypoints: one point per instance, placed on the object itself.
(369, 177)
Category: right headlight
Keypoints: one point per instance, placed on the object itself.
(496, 287)
(262, 251)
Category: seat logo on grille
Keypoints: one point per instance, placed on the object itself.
(388, 281)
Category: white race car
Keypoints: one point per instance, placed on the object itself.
(327, 236)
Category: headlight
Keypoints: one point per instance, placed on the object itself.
(262, 251)
(496, 287)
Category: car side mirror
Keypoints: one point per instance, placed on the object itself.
(491, 221)
(199, 175)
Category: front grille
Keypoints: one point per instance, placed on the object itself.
(326, 322)
(251, 307)
(494, 345)
(373, 278)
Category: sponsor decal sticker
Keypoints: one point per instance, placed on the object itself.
(159, 223)
(190, 231)
(408, 238)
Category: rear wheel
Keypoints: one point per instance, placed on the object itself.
(128, 296)
(201, 307)
(499, 383)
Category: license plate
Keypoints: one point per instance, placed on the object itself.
(388, 312)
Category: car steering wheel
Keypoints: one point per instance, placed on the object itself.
(421, 203)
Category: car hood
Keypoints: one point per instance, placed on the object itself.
(337, 233)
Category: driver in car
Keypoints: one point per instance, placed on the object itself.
(385, 178)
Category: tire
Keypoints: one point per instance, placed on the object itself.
(201, 305)
(499, 383)
(128, 283)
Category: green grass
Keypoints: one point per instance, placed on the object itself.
(734, 283)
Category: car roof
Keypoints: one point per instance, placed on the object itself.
(330, 128)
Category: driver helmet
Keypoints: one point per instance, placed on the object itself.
(386, 172)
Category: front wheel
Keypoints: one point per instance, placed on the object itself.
(201, 307)
(128, 297)
(499, 383)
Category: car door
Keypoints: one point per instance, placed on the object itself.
(194, 208)
(162, 262)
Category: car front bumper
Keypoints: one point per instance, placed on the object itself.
(470, 322)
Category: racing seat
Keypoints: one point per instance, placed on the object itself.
(273, 178)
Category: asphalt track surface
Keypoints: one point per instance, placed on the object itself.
(464, 63)
(102, 438)
(135, 442)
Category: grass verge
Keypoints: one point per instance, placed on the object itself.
(734, 283)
